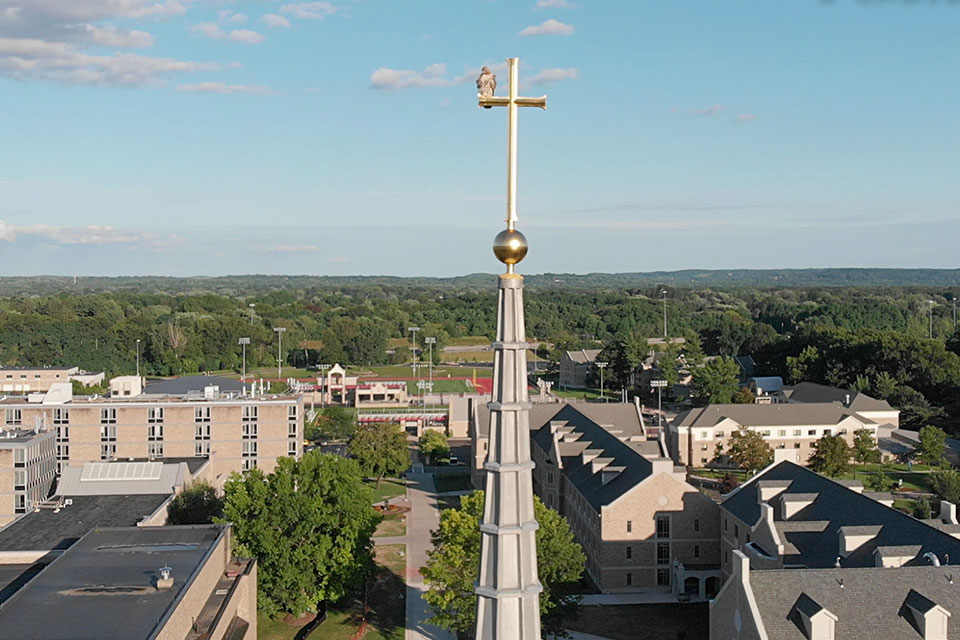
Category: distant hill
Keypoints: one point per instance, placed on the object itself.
(694, 278)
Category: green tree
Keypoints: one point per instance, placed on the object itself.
(880, 482)
(933, 442)
(434, 446)
(921, 509)
(831, 456)
(946, 484)
(381, 450)
(335, 423)
(748, 450)
(198, 503)
(865, 447)
(743, 396)
(453, 567)
(309, 525)
(799, 368)
(716, 381)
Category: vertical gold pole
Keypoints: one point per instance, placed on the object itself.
(512, 147)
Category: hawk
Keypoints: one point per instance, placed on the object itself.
(486, 84)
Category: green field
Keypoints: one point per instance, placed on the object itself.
(391, 526)
(389, 488)
(468, 341)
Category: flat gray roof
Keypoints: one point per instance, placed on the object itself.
(103, 587)
(186, 384)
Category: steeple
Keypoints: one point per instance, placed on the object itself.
(508, 594)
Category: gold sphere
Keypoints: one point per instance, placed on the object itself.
(510, 246)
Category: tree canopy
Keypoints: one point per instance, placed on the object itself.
(198, 503)
(748, 450)
(434, 446)
(716, 381)
(865, 447)
(831, 456)
(308, 524)
(933, 442)
(453, 567)
(381, 450)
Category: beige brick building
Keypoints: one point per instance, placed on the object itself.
(235, 432)
(33, 379)
(27, 470)
(693, 436)
(641, 526)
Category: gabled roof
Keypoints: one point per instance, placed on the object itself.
(634, 467)
(584, 356)
(768, 415)
(867, 603)
(810, 536)
(811, 392)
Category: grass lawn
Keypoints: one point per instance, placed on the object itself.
(912, 481)
(389, 488)
(577, 393)
(468, 341)
(645, 621)
(441, 385)
(391, 526)
(904, 505)
(719, 474)
(452, 482)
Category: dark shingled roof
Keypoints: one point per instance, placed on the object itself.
(810, 536)
(768, 415)
(872, 603)
(636, 468)
(186, 384)
(45, 530)
(54, 604)
(813, 392)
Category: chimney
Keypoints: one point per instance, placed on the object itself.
(948, 512)
(165, 581)
(741, 568)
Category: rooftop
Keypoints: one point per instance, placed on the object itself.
(810, 535)
(122, 478)
(768, 415)
(2, 368)
(192, 384)
(868, 603)
(584, 356)
(18, 436)
(105, 584)
(45, 530)
(807, 392)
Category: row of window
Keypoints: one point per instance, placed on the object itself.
(781, 433)
(663, 578)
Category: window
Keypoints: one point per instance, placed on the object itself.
(292, 448)
(155, 449)
(201, 448)
(782, 433)
(154, 432)
(663, 526)
(696, 551)
(19, 457)
(663, 577)
(63, 433)
(797, 432)
(703, 461)
(811, 432)
(292, 413)
(736, 532)
(108, 451)
(765, 433)
(14, 417)
(663, 553)
(629, 526)
(20, 506)
(719, 434)
(249, 413)
(249, 463)
(292, 429)
(725, 523)
(249, 429)
(842, 432)
(108, 433)
(629, 579)
(726, 557)
(696, 524)
(249, 448)
(19, 479)
(201, 414)
(796, 445)
(108, 416)
(61, 416)
(704, 435)
(827, 432)
(155, 414)
(549, 477)
(629, 552)
(704, 447)
(202, 431)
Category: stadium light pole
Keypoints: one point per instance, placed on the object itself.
(659, 385)
(663, 294)
(138, 357)
(430, 341)
(413, 343)
(279, 331)
(244, 342)
(251, 305)
(602, 366)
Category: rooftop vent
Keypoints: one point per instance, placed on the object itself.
(165, 581)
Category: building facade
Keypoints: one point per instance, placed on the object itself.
(33, 379)
(696, 436)
(236, 433)
(575, 367)
(27, 469)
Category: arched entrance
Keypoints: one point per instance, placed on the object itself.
(713, 586)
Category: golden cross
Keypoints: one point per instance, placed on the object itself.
(512, 101)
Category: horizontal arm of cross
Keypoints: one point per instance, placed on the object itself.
(504, 101)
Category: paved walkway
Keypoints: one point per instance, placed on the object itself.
(424, 516)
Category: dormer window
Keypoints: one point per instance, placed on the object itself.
(815, 621)
(929, 619)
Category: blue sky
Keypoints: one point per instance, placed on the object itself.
(211, 137)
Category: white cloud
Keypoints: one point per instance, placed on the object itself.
(208, 29)
(246, 36)
(90, 234)
(286, 248)
(387, 79)
(222, 87)
(709, 111)
(745, 117)
(554, 4)
(274, 21)
(25, 58)
(545, 76)
(226, 15)
(310, 10)
(111, 36)
(549, 27)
